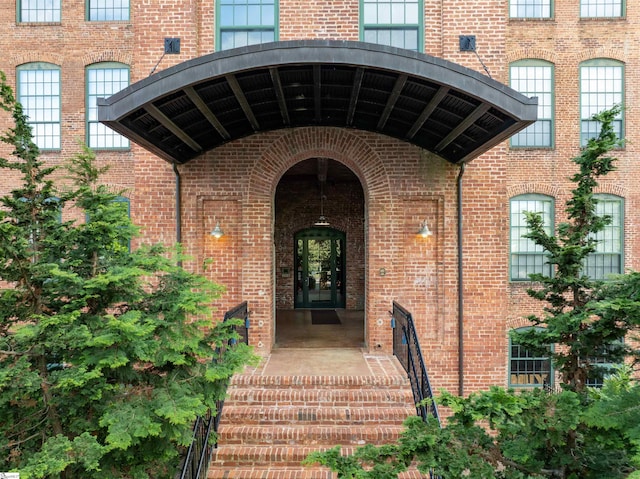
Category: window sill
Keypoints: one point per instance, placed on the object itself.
(110, 22)
(603, 19)
(532, 148)
(110, 150)
(38, 24)
(532, 19)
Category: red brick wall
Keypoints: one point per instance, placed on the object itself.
(566, 41)
(401, 185)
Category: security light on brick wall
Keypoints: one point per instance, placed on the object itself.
(424, 230)
(217, 232)
(172, 46)
(467, 43)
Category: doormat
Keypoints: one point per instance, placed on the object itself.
(325, 316)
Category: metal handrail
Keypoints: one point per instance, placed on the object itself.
(195, 462)
(406, 347)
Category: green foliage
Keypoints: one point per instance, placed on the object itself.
(573, 433)
(107, 355)
(574, 316)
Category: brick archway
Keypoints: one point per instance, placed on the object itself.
(349, 148)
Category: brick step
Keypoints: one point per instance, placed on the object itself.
(241, 455)
(307, 434)
(316, 397)
(268, 472)
(270, 424)
(277, 414)
(324, 382)
(300, 472)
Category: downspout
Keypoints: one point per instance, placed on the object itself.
(178, 208)
(460, 290)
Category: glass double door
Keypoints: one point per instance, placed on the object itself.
(320, 262)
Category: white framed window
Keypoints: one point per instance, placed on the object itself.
(601, 87)
(530, 8)
(395, 23)
(535, 78)
(607, 258)
(601, 8)
(39, 11)
(246, 22)
(527, 257)
(107, 10)
(38, 87)
(102, 81)
(526, 369)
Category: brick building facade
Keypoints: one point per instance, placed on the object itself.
(264, 188)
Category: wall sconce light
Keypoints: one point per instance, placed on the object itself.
(217, 232)
(424, 230)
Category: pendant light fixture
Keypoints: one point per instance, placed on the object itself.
(322, 221)
(322, 178)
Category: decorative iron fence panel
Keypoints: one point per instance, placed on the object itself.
(195, 463)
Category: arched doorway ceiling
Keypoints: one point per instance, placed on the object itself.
(186, 110)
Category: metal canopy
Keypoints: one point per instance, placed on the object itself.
(186, 110)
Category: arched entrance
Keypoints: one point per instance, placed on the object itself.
(319, 255)
(323, 98)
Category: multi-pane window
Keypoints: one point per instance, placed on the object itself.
(602, 365)
(246, 22)
(39, 11)
(601, 87)
(526, 256)
(527, 369)
(607, 258)
(396, 23)
(39, 93)
(107, 10)
(535, 78)
(601, 8)
(103, 80)
(530, 8)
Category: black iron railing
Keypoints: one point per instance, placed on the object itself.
(195, 462)
(406, 347)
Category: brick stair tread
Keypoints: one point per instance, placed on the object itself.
(347, 414)
(270, 472)
(242, 456)
(308, 434)
(281, 455)
(299, 472)
(327, 382)
(312, 397)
